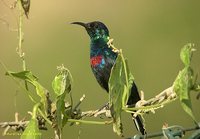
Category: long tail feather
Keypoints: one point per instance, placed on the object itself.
(133, 98)
(139, 124)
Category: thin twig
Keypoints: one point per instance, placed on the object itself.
(99, 112)
(163, 98)
(79, 103)
(158, 134)
(20, 35)
(18, 124)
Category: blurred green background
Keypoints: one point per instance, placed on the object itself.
(151, 34)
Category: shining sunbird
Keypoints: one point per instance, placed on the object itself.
(102, 59)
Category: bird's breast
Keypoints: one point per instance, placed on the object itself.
(97, 61)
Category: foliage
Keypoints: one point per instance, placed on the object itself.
(184, 82)
(120, 84)
(121, 80)
(32, 79)
(32, 129)
(58, 112)
(61, 86)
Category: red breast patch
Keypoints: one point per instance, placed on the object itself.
(96, 60)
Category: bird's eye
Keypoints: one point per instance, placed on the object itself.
(95, 26)
(91, 25)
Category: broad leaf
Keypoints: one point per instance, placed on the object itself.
(60, 111)
(24, 75)
(62, 82)
(32, 131)
(120, 83)
(129, 83)
(186, 54)
(42, 92)
(184, 81)
(32, 79)
(61, 86)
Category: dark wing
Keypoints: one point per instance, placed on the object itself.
(102, 71)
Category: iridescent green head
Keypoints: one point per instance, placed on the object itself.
(95, 29)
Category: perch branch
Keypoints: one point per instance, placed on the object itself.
(20, 125)
(144, 106)
(77, 115)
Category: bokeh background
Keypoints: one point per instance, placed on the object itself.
(151, 34)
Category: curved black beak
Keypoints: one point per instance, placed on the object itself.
(80, 23)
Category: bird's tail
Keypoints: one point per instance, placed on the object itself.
(139, 124)
(133, 99)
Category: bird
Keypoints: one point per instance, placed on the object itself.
(102, 59)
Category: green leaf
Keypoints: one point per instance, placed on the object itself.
(186, 54)
(24, 75)
(60, 111)
(62, 82)
(32, 79)
(116, 89)
(184, 81)
(61, 86)
(58, 84)
(120, 83)
(32, 130)
(42, 92)
(129, 84)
